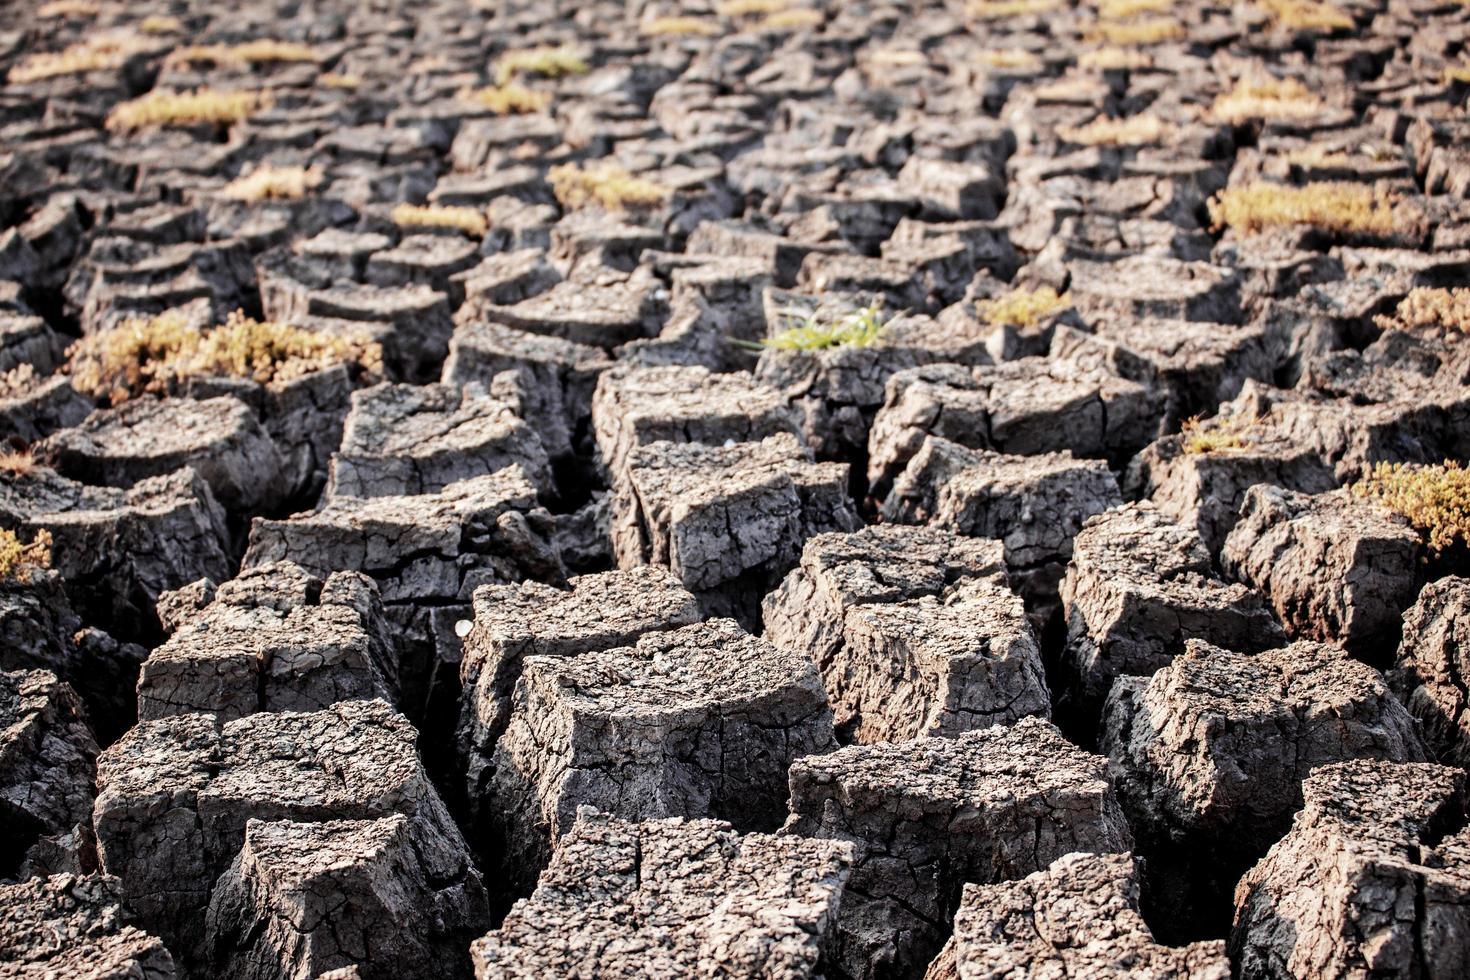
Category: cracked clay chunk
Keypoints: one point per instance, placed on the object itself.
(1334, 567)
(1372, 880)
(914, 630)
(1138, 587)
(175, 795)
(73, 926)
(416, 439)
(1078, 918)
(694, 722)
(1431, 670)
(274, 639)
(930, 814)
(671, 898)
(513, 622)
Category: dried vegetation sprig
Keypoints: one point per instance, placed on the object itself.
(204, 105)
(269, 182)
(606, 184)
(471, 221)
(1220, 434)
(1339, 206)
(1268, 99)
(1427, 308)
(1023, 307)
(507, 100)
(547, 62)
(105, 52)
(19, 561)
(860, 328)
(1140, 130)
(1434, 498)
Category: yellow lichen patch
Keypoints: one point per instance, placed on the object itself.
(1332, 205)
(507, 100)
(792, 20)
(151, 355)
(861, 328)
(471, 221)
(1140, 33)
(164, 108)
(161, 25)
(548, 62)
(1266, 98)
(1002, 9)
(1219, 434)
(606, 184)
(1427, 308)
(69, 8)
(1137, 130)
(333, 79)
(751, 8)
(19, 562)
(268, 182)
(1023, 307)
(103, 53)
(1124, 9)
(690, 26)
(248, 53)
(1114, 58)
(1307, 15)
(1010, 59)
(1435, 499)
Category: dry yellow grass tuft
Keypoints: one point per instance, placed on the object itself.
(1425, 308)
(1137, 130)
(1435, 499)
(471, 221)
(679, 26)
(1114, 58)
(1000, 9)
(1219, 434)
(1023, 307)
(161, 25)
(17, 461)
(106, 52)
(605, 184)
(334, 79)
(1266, 98)
(247, 53)
(1124, 9)
(268, 182)
(506, 100)
(152, 355)
(548, 62)
(19, 562)
(69, 8)
(1140, 33)
(1307, 15)
(751, 8)
(1332, 205)
(792, 20)
(1011, 59)
(164, 108)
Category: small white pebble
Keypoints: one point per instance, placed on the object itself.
(729, 443)
(462, 628)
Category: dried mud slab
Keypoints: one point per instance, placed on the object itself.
(698, 721)
(71, 925)
(672, 898)
(1372, 878)
(927, 815)
(1078, 917)
(1430, 670)
(175, 797)
(273, 639)
(914, 630)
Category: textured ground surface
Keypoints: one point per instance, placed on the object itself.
(760, 489)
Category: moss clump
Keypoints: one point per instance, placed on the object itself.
(507, 100)
(260, 52)
(268, 182)
(679, 26)
(1435, 499)
(164, 108)
(1307, 15)
(1332, 205)
(1268, 99)
(860, 328)
(605, 184)
(471, 221)
(103, 53)
(156, 354)
(1425, 308)
(19, 562)
(1139, 130)
(547, 62)
(1219, 434)
(1024, 308)
(1140, 33)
